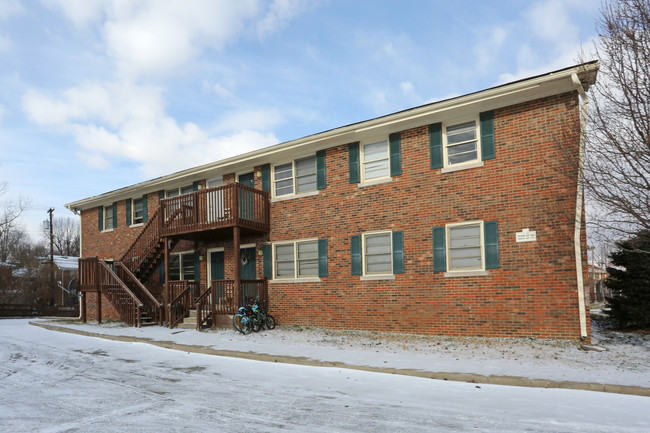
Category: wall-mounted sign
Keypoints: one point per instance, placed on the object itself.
(526, 236)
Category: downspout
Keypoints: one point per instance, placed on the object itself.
(579, 201)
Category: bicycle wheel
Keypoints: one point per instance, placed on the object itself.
(257, 324)
(237, 322)
(270, 322)
(246, 325)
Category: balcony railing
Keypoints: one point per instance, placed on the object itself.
(226, 206)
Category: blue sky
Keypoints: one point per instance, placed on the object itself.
(100, 94)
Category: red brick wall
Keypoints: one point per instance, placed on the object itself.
(531, 184)
(528, 185)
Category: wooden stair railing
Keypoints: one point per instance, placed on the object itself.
(123, 300)
(206, 311)
(144, 253)
(152, 308)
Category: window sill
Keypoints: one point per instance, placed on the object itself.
(295, 280)
(107, 230)
(467, 274)
(136, 225)
(294, 196)
(467, 166)
(375, 182)
(390, 277)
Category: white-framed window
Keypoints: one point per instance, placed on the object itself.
(377, 253)
(137, 211)
(173, 192)
(375, 160)
(108, 217)
(465, 246)
(181, 266)
(296, 259)
(462, 143)
(214, 182)
(295, 177)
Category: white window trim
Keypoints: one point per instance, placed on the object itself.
(478, 162)
(134, 224)
(180, 270)
(362, 171)
(468, 271)
(107, 229)
(294, 180)
(296, 278)
(378, 276)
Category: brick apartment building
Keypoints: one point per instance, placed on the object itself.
(453, 218)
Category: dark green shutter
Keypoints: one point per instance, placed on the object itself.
(145, 209)
(487, 135)
(439, 250)
(115, 215)
(435, 145)
(197, 267)
(161, 195)
(100, 218)
(355, 246)
(266, 178)
(267, 251)
(395, 144)
(195, 185)
(321, 181)
(128, 211)
(491, 237)
(398, 252)
(322, 257)
(161, 271)
(353, 154)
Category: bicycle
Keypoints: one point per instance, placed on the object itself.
(243, 321)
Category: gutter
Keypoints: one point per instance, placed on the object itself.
(579, 203)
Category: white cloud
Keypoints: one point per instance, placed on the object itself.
(114, 122)
(279, 14)
(9, 8)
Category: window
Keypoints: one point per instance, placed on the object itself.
(295, 177)
(461, 143)
(214, 182)
(182, 266)
(179, 191)
(109, 217)
(375, 160)
(378, 253)
(137, 208)
(296, 259)
(466, 247)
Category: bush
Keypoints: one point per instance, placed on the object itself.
(629, 282)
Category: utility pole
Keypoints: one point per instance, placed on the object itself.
(51, 211)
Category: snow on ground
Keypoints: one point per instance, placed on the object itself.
(622, 358)
(59, 382)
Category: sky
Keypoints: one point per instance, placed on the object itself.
(96, 95)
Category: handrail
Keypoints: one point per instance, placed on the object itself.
(179, 307)
(125, 305)
(153, 306)
(201, 306)
(148, 237)
(141, 286)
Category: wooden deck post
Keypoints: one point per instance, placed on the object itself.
(166, 299)
(236, 267)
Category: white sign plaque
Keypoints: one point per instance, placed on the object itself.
(526, 236)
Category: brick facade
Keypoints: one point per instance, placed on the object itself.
(531, 184)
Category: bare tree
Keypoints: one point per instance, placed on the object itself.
(10, 212)
(617, 167)
(65, 236)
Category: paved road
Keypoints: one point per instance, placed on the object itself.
(56, 382)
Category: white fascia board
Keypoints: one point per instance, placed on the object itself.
(497, 97)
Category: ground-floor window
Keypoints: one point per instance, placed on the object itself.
(181, 266)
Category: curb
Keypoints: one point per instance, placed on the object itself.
(301, 360)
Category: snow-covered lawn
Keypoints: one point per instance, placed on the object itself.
(59, 382)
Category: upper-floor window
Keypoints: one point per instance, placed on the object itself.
(295, 177)
(173, 192)
(109, 217)
(375, 162)
(137, 209)
(462, 143)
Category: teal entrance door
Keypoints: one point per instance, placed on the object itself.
(217, 269)
(248, 272)
(247, 198)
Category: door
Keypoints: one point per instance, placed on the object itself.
(247, 198)
(248, 272)
(217, 272)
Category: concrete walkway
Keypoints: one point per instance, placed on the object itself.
(299, 360)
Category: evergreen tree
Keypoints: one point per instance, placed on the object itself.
(629, 281)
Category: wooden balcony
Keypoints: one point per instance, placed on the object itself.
(215, 210)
